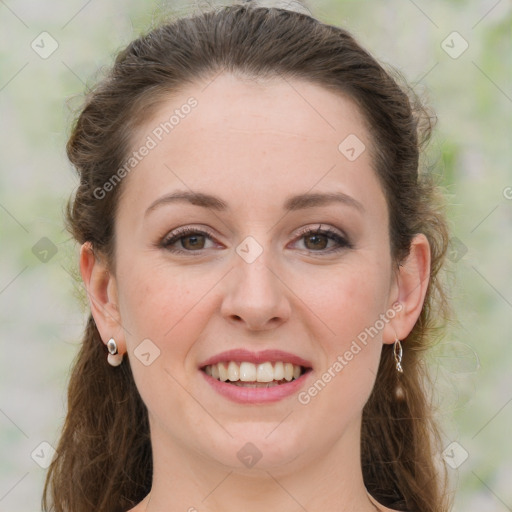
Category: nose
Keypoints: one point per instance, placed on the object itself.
(256, 296)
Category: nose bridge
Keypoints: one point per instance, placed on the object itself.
(255, 294)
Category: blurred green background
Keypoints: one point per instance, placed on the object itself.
(41, 316)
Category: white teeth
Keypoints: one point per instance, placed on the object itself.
(288, 371)
(223, 372)
(233, 371)
(265, 372)
(279, 370)
(245, 372)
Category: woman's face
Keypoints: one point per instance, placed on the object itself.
(285, 258)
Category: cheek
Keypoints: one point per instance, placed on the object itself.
(348, 300)
(164, 304)
(169, 307)
(350, 303)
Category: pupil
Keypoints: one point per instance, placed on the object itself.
(195, 242)
(318, 238)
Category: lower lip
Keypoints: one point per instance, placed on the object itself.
(243, 395)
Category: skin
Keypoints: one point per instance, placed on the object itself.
(254, 144)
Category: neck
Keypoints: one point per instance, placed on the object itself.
(184, 480)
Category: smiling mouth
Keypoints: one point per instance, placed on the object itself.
(250, 375)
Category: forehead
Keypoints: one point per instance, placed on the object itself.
(253, 140)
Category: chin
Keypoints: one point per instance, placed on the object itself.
(257, 446)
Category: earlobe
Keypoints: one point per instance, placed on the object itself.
(101, 289)
(411, 287)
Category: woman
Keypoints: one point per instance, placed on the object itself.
(260, 248)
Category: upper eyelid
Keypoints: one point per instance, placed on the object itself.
(190, 230)
(186, 230)
(322, 229)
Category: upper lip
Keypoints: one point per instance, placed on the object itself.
(256, 357)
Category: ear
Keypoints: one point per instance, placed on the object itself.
(101, 289)
(409, 290)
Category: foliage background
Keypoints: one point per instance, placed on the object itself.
(40, 315)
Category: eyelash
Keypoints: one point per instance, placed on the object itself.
(342, 242)
(180, 233)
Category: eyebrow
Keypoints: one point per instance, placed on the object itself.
(294, 203)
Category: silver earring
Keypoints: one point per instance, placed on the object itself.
(397, 351)
(113, 358)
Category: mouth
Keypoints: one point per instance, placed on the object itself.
(248, 377)
(255, 375)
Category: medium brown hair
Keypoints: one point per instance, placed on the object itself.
(104, 460)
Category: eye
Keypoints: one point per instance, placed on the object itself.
(187, 239)
(318, 240)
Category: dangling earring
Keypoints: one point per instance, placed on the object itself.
(397, 351)
(113, 358)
